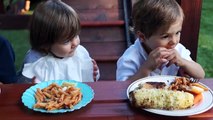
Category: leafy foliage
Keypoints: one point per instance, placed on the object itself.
(205, 50)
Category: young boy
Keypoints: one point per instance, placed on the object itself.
(157, 50)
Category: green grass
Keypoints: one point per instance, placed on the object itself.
(205, 49)
(19, 40)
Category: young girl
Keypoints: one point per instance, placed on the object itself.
(157, 50)
(56, 53)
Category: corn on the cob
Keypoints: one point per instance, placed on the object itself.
(161, 99)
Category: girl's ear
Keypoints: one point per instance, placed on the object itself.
(141, 36)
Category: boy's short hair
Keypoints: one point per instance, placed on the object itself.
(52, 21)
(149, 15)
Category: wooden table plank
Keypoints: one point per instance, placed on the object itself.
(110, 102)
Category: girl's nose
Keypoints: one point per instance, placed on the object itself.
(75, 42)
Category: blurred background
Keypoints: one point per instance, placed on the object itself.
(19, 38)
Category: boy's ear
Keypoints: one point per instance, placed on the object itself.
(141, 36)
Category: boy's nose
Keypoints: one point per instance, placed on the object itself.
(173, 40)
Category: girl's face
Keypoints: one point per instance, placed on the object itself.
(66, 48)
(165, 37)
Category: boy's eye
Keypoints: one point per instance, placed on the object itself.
(178, 33)
(165, 36)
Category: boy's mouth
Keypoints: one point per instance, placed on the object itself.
(171, 47)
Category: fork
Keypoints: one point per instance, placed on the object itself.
(193, 80)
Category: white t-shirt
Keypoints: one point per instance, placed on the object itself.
(130, 62)
(79, 67)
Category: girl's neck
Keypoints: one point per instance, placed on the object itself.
(55, 55)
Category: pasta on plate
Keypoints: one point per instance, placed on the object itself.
(57, 97)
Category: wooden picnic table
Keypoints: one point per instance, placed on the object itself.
(110, 102)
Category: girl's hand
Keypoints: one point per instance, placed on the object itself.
(34, 80)
(95, 69)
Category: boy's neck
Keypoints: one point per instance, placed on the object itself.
(146, 48)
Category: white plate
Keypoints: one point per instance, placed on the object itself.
(202, 106)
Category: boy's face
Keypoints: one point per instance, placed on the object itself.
(167, 37)
(66, 48)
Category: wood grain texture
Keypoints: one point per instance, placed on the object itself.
(110, 102)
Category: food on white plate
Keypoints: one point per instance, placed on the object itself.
(161, 99)
(180, 94)
(200, 86)
(183, 84)
(194, 90)
(150, 85)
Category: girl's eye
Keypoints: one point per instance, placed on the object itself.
(66, 42)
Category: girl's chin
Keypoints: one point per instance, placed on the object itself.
(71, 54)
(68, 55)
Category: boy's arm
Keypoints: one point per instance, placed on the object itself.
(154, 61)
(193, 69)
(142, 72)
(190, 67)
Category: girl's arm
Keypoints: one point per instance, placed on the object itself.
(96, 73)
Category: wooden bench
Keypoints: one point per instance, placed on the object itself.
(105, 29)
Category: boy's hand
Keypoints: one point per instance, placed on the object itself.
(174, 58)
(157, 58)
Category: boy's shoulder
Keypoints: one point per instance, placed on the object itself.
(134, 52)
(134, 49)
(183, 51)
(180, 47)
